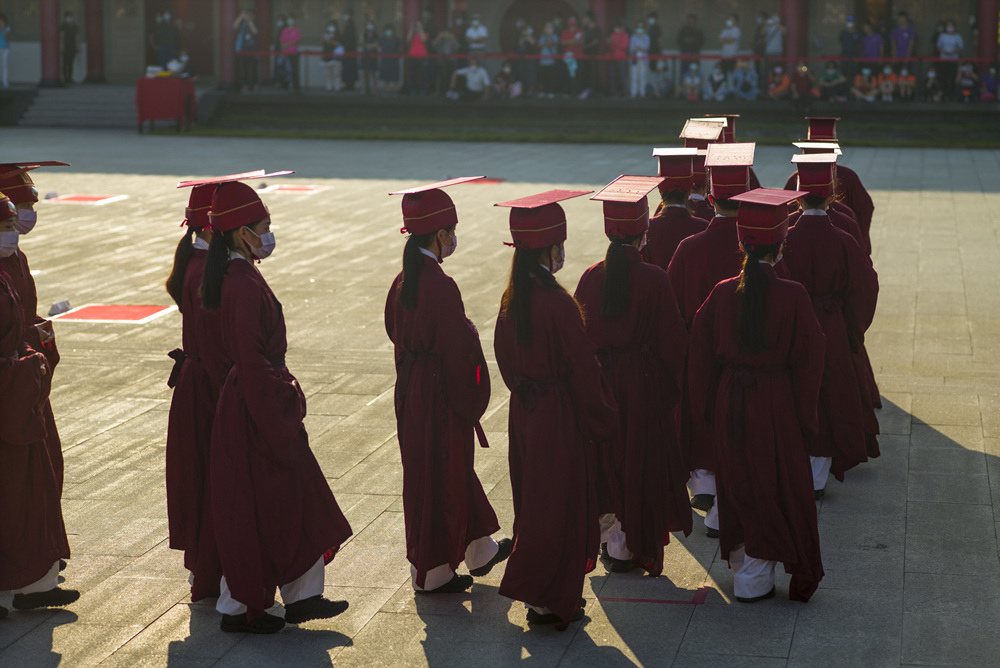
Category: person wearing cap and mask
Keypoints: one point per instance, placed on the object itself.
(199, 369)
(755, 367)
(560, 406)
(276, 521)
(442, 391)
(673, 222)
(641, 341)
(843, 287)
(32, 534)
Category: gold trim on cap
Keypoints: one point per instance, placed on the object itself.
(241, 206)
(544, 229)
(409, 218)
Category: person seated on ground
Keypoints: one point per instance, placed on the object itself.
(507, 84)
(865, 86)
(887, 81)
(932, 87)
(716, 86)
(663, 79)
(692, 82)
(967, 83)
(803, 87)
(988, 91)
(779, 84)
(833, 84)
(470, 83)
(906, 83)
(744, 82)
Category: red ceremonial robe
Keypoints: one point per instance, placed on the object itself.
(560, 403)
(196, 378)
(32, 533)
(851, 193)
(838, 220)
(273, 510)
(759, 404)
(843, 287)
(442, 390)
(642, 352)
(702, 208)
(666, 230)
(19, 275)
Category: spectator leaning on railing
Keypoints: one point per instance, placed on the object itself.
(638, 51)
(729, 38)
(618, 44)
(949, 46)
(369, 61)
(903, 37)
(690, 38)
(850, 44)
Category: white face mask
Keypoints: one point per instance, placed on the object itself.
(267, 244)
(556, 266)
(8, 243)
(26, 219)
(448, 250)
(166, 16)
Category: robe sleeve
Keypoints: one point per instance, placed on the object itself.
(502, 351)
(702, 358)
(806, 362)
(272, 396)
(32, 337)
(861, 296)
(23, 389)
(671, 339)
(467, 379)
(675, 272)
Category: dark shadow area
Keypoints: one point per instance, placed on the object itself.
(26, 637)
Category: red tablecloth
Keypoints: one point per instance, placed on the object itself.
(165, 99)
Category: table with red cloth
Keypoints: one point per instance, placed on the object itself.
(165, 99)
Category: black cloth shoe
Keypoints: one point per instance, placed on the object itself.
(550, 618)
(820, 493)
(456, 585)
(314, 607)
(711, 533)
(239, 624)
(618, 565)
(53, 598)
(583, 602)
(505, 546)
(757, 599)
(62, 565)
(703, 502)
(3, 612)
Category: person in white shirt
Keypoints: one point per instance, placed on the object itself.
(729, 38)
(949, 45)
(477, 83)
(476, 35)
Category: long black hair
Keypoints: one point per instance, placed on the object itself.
(413, 262)
(516, 302)
(751, 316)
(175, 281)
(216, 264)
(614, 292)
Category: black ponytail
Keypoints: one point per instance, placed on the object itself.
(614, 293)
(752, 298)
(413, 262)
(516, 302)
(216, 265)
(175, 282)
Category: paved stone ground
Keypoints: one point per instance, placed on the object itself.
(909, 540)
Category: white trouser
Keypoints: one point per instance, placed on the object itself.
(4, 53)
(305, 586)
(820, 470)
(612, 534)
(637, 75)
(477, 554)
(334, 75)
(712, 516)
(48, 582)
(752, 577)
(702, 481)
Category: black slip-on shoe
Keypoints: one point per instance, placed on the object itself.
(757, 599)
(711, 533)
(703, 502)
(504, 548)
(314, 607)
(3, 612)
(551, 618)
(619, 565)
(239, 624)
(820, 493)
(53, 598)
(62, 565)
(456, 585)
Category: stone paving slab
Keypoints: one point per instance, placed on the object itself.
(909, 540)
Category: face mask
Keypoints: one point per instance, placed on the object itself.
(849, 25)
(931, 75)
(448, 250)
(388, 33)
(903, 73)
(346, 17)
(530, 31)
(69, 19)
(26, 219)
(866, 72)
(291, 22)
(166, 16)
(556, 266)
(652, 21)
(267, 244)
(950, 29)
(331, 30)
(887, 70)
(281, 24)
(993, 70)
(639, 31)
(184, 59)
(729, 23)
(8, 243)
(759, 20)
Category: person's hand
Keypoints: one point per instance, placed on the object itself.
(46, 335)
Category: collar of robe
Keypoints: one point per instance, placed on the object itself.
(814, 212)
(431, 255)
(200, 244)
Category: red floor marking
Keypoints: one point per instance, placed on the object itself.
(122, 313)
(293, 190)
(97, 200)
(699, 598)
(487, 182)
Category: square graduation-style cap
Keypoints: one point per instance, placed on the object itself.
(822, 128)
(626, 209)
(676, 165)
(537, 221)
(245, 176)
(816, 173)
(729, 168)
(729, 129)
(234, 203)
(17, 184)
(700, 132)
(763, 216)
(818, 147)
(428, 208)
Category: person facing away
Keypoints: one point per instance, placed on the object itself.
(442, 391)
(70, 34)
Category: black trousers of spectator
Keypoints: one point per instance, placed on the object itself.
(618, 83)
(445, 68)
(727, 65)
(587, 74)
(246, 71)
(547, 78)
(947, 71)
(294, 59)
(67, 66)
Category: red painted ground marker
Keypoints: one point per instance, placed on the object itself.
(700, 596)
(96, 200)
(120, 313)
(487, 182)
(293, 190)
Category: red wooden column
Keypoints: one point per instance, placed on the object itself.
(95, 41)
(49, 17)
(796, 20)
(439, 9)
(411, 13)
(988, 13)
(265, 35)
(228, 11)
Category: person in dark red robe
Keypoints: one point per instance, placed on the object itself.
(843, 287)
(673, 222)
(32, 533)
(697, 200)
(756, 364)
(273, 512)
(442, 390)
(199, 368)
(701, 261)
(560, 405)
(641, 341)
(852, 200)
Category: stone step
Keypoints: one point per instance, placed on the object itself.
(83, 107)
